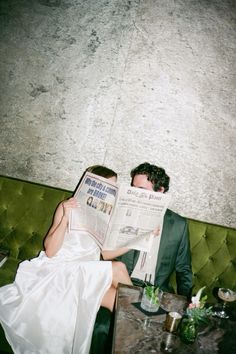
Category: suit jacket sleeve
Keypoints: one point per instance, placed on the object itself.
(183, 265)
(174, 256)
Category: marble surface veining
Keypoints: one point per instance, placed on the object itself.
(136, 332)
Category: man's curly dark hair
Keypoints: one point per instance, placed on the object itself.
(155, 174)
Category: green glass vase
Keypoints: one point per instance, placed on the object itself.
(188, 330)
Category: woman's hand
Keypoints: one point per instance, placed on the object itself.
(156, 232)
(67, 205)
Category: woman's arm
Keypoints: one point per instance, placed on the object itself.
(55, 236)
(107, 255)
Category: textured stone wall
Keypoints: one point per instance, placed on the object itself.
(120, 83)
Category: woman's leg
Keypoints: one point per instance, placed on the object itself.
(103, 328)
(109, 298)
(119, 275)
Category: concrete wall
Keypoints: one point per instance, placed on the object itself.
(121, 82)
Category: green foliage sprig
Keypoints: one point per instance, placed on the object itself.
(152, 293)
(197, 310)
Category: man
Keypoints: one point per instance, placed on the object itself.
(174, 251)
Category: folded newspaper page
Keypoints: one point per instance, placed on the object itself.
(118, 215)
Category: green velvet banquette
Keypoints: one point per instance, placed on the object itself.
(26, 211)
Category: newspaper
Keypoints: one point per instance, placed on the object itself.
(118, 215)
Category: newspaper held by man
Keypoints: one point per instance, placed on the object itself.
(118, 215)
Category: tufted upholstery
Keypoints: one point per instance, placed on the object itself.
(26, 211)
(213, 251)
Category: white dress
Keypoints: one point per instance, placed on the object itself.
(51, 307)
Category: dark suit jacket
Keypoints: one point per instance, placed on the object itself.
(174, 256)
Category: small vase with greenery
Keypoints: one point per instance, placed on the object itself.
(195, 314)
(150, 299)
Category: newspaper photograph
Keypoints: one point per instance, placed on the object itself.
(96, 197)
(118, 216)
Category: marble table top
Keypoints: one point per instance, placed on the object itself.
(136, 332)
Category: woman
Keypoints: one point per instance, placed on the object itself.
(52, 305)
